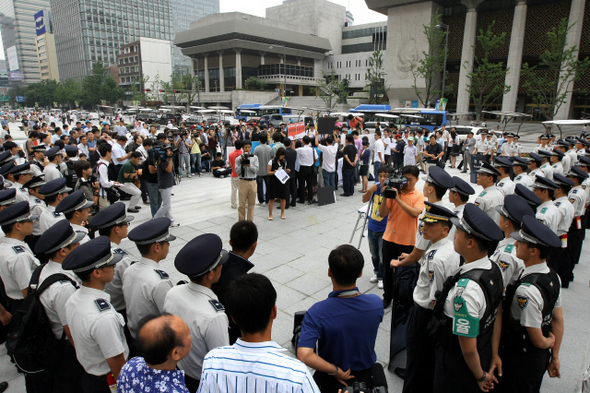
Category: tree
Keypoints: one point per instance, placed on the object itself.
(253, 83)
(68, 92)
(487, 80)
(430, 67)
(331, 89)
(139, 88)
(98, 86)
(549, 82)
(375, 77)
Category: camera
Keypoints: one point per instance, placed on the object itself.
(378, 381)
(394, 183)
(160, 151)
(246, 159)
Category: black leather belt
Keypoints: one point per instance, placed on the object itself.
(243, 178)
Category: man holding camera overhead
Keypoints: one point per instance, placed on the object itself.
(247, 170)
(165, 183)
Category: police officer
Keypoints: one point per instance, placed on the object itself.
(145, 284)
(37, 206)
(546, 212)
(535, 166)
(469, 302)
(113, 223)
(577, 198)
(7, 198)
(76, 209)
(519, 166)
(459, 196)
(511, 214)
(197, 304)
(54, 156)
(556, 161)
(533, 318)
(490, 197)
(56, 244)
(558, 259)
(546, 167)
(517, 146)
(21, 174)
(439, 262)
(38, 162)
(528, 195)
(505, 184)
(96, 327)
(53, 192)
(566, 159)
(482, 146)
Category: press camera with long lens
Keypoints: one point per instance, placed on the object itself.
(394, 183)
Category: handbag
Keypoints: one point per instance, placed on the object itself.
(112, 194)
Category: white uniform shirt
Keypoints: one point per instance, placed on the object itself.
(51, 172)
(97, 329)
(505, 258)
(199, 307)
(421, 243)
(37, 208)
(547, 170)
(389, 142)
(437, 264)
(22, 194)
(482, 146)
(557, 168)
(527, 305)
(36, 170)
(145, 287)
(55, 297)
(84, 230)
(566, 215)
(506, 186)
(115, 287)
(525, 180)
(577, 197)
(48, 218)
(548, 214)
(17, 263)
(566, 162)
(488, 199)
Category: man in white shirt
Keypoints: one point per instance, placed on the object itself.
(120, 157)
(307, 158)
(329, 151)
(378, 153)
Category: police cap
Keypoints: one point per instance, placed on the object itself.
(7, 197)
(462, 187)
(60, 235)
(503, 161)
(562, 181)
(545, 153)
(519, 161)
(111, 216)
(436, 213)
(488, 169)
(52, 152)
(19, 212)
(211, 254)
(583, 142)
(73, 202)
(36, 181)
(6, 168)
(537, 158)
(577, 172)
(155, 230)
(40, 148)
(544, 136)
(5, 157)
(91, 255)
(71, 148)
(535, 232)
(438, 176)
(477, 223)
(557, 152)
(515, 208)
(584, 161)
(54, 187)
(527, 195)
(517, 137)
(20, 169)
(544, 183)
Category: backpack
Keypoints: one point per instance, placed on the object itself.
(111, 193)
(71, 177)
(30, 340)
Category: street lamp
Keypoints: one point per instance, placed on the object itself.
(445, 66)
(284, 68)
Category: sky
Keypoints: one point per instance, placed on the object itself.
(359, 10)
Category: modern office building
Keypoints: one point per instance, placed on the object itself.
(87, 32)
(183, 13)
(525, 22)
(46, 46)
(17, 24)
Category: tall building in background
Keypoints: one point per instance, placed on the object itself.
(46, 46)
(183, 12)
(17, 24)
(89, 31)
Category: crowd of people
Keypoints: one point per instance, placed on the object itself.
(475, 287)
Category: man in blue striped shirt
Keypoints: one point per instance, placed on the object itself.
(254, 363)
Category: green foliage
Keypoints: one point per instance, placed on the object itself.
(487, 79)
(549, 83)
(431, 66)
(331, 90)
(375, 77)
(253, 83)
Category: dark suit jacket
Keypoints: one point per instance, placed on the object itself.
(291, 158)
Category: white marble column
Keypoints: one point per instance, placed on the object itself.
(514, 63)
(262, 57)
(574, 35)
(206, 70)
(238, 68)
(221, 75)
(469, 36)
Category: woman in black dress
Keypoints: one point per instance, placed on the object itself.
(276, 189)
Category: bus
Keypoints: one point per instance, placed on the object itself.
(248, 111)
(413, 117)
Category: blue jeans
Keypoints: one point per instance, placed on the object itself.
(262, 196)
(196, 163)
(375, 245)
(377, 165)
(154, 195)
(185, 164)
(348, 181)
(329, 178)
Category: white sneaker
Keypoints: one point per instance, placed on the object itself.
(380, 284)
(373, 279)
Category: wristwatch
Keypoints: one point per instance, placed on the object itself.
(482, 378)
(335, 371)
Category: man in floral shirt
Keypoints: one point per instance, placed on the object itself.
(163, 341)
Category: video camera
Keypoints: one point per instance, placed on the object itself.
(246, 159)
(377, 378)
(160, 151)
(394, 183)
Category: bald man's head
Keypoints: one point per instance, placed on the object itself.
(163, 339)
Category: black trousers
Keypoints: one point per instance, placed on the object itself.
(420, 353)
(292, 187)
(575, 238)
(391, 251)
(329, 384)
(305, 181)
(559, 261)
(451, 373)
(95, 384)
(69, 371)
(192, 384)
(522, 372)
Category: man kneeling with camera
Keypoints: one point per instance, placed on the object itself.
(344, 326)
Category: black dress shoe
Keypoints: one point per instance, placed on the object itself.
(344, 195)
(386, 303)
(3, 386)
(400, 372)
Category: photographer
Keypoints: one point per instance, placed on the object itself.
(106, 153)
(165, 182)
(185, 144)
(402, 224)
(247, 169)
(196, 153)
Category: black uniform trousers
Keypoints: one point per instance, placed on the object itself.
(69, 371)
(419, 352)
(559, 261)
(522, 372)
(292, 187)
(451, 373)
(306, 181)
(95, 384)
(192, 384)
(575, 238)
(391, 251)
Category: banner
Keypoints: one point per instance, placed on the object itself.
(20, 98)
(296, 130)
(40, 23)
(284, 101)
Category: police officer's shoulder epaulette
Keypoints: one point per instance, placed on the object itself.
(482, 193)
(216, 305)
(119, 251)
(162, 273)
(463, 282)
(38, 201)
(56, 214)
(23, 189)
(509, 248)
(544, 210)
(557, 204)
(431, 254)
(574, 191)
(102, 304)
(18, 249)
(572, 200)
(500, 184)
